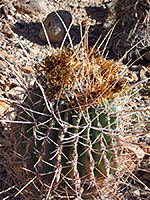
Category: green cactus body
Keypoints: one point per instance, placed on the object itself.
(65, 151)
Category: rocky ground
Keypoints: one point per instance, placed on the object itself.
(21, 48)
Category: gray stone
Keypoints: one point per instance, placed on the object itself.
(32, 7)
(54, 26)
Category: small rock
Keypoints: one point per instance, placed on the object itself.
(74, 5)
(7, 9)
(54, 27)
(4, 53)
(143, 74)
(27, 69)
(136, 192)
(133, 77)
(32, 7)
(4, 106)
(16, 93)
(135, 67)
(7, 31)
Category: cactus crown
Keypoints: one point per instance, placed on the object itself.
(81, 79)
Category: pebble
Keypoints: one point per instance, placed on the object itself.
(32, 7)
(136, 192)
(19, 54)
(135, 68)
(27, 69)
(4, 53)
(17, 93)
(4, 106)
(74, 5)
(54, 27)
(7, 31)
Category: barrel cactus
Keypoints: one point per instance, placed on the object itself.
(63, 144)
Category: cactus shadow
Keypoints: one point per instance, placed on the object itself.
(30, 30)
